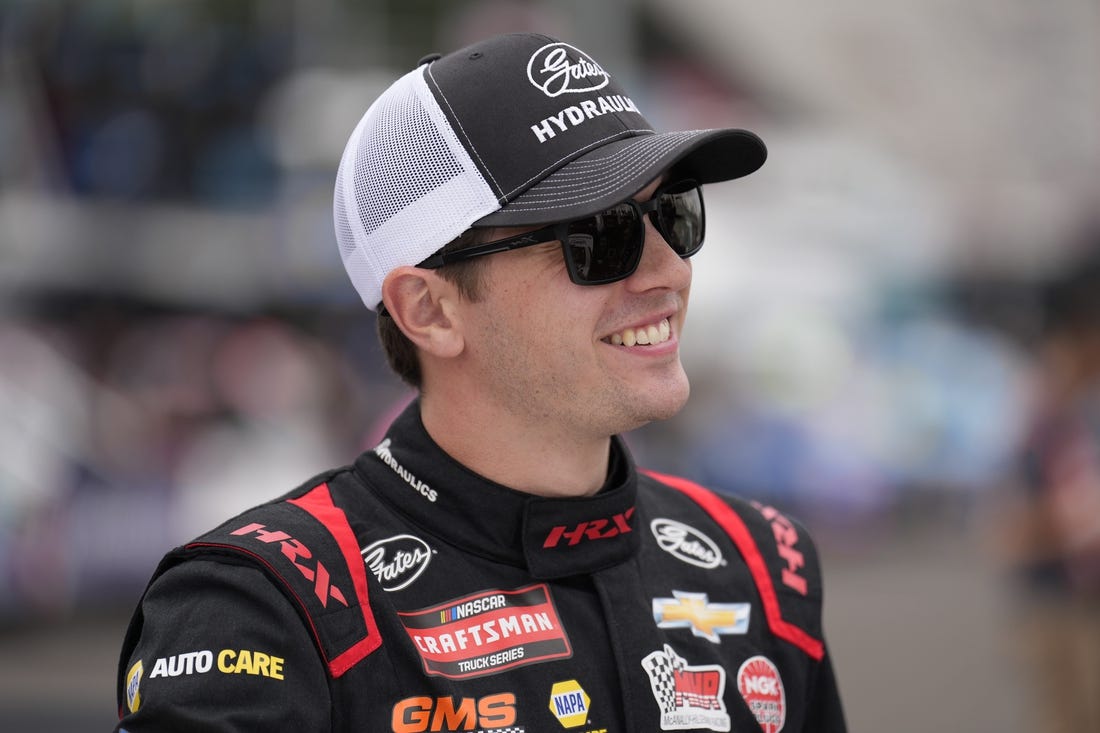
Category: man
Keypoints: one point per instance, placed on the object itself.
(497, 563)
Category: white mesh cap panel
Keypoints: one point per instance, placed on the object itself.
(406, 186)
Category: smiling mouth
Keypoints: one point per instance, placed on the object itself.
(654, 333)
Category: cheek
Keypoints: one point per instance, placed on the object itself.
(534, 302)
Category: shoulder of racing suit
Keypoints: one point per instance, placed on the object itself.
(779, 553)
(304, 544)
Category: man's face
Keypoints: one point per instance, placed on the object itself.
(595, 360)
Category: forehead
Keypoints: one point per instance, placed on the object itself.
(651, 188)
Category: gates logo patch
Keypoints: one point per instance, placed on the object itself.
(688, 696)
(759, 683)
(397, 561)
(686, 543)
(488, 632)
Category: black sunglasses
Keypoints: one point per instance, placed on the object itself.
(606, 247)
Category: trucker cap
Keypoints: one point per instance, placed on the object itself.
(516, 130)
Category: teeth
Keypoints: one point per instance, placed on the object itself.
(655, 333)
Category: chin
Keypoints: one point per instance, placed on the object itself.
(670, 410)
(661, 404)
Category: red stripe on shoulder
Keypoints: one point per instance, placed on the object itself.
(318, 504)
(728, 519)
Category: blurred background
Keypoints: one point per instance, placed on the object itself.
(893, 331)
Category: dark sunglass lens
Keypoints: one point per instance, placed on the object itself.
(679, 219)
(605, 247)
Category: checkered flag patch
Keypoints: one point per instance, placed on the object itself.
(661, 668)
(689, 696)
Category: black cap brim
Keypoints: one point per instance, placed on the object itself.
(614, 172)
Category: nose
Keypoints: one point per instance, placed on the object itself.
(660, 267)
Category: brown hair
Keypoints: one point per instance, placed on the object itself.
(400, 352)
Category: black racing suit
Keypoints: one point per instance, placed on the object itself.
(405, 593)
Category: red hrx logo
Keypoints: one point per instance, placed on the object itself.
(592, 529)
(786, 537)
(298, 553)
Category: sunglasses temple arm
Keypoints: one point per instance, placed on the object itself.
(527, 239)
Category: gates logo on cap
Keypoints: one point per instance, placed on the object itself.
(552, 70)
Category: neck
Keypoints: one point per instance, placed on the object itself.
(542, 459)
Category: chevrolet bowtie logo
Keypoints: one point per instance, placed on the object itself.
(708, 620)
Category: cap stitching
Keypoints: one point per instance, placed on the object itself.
(671, 138)
(603, 165)
(608, 174)
(594, 143)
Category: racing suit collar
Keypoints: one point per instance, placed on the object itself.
(550, 537)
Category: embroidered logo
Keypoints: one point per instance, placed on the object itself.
(688, 696)
(397, 561)
(488, 632)
(559, 68)
(759, 683)
(382, 450)
(569, 703)
(786, 537)
(133, 686)
(301, 557)
(707, 620)
(686, 543)
(592, 529)
(421, 714)
(229, 661)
